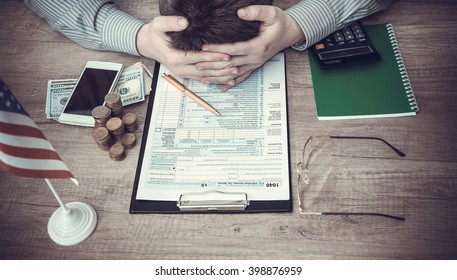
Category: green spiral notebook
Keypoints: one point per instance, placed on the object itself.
(373, 90)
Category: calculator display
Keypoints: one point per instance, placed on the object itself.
(345, 52)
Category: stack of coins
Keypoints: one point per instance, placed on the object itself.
(103, 138)
(114, 102)
(112, 125)
(117, 152)
(128, 140)
(129, 120)
(115, 127)
(101, 115)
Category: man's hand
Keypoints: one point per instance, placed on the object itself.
(152, 42)
(277, 31)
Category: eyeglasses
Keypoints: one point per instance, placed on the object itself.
(312, 147)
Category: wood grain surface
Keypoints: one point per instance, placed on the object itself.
(422, 187)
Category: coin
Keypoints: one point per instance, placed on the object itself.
(117, 152)
(101, 114)
(128, 140)
(115, 127)
(129, 120)
(114, 102)
(102, 137)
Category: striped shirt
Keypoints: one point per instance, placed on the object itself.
(100, 25)
(319, 18)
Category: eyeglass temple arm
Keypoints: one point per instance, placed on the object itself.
(400, 153)
(356, 214)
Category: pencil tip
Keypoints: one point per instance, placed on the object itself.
(217, 113)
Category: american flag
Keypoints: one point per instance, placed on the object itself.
(24, 150)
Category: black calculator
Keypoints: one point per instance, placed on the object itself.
(348, 46)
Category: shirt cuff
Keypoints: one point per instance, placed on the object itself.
(120, 30)
(316, 19)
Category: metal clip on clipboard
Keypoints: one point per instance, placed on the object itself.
(213, 201)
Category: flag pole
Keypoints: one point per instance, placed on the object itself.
(71, 223)
(57, 196)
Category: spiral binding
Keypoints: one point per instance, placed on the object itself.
(401, 66)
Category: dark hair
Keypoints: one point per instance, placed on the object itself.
(210, 21)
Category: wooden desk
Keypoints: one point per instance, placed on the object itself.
(422, 187)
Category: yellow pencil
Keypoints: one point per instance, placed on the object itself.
(190, 94)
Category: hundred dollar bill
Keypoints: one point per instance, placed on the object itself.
(130, 87)
(57, 96)
(134, 83)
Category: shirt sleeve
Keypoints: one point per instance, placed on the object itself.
(319, 18)
(93, 24)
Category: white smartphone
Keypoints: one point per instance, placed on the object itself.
(96, 80)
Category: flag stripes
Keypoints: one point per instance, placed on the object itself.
(24, 149)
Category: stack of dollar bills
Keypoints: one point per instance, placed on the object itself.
(133, 85)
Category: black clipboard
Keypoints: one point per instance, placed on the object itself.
(236, 202)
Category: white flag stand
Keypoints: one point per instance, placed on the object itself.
(72, 223)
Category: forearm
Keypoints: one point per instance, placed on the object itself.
(93, 24)
(319, 18)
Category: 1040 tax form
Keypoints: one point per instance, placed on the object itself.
(187, 149)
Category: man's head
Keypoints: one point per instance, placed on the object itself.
(210, 22)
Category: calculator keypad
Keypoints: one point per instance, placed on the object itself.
(349, 35)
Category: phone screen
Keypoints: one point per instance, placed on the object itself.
(90, 91)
